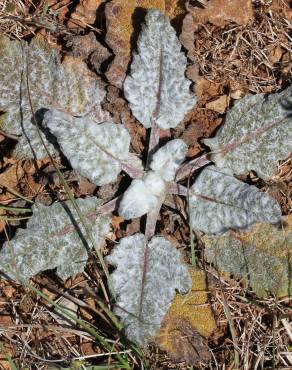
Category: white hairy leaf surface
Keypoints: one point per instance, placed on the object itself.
(142, 196)
(145, 282)
(270, 114)
(54, 238)
(69, 86)
(96, 151)
(261, 256)
(223, 202)
(167, 159)
(157, 88)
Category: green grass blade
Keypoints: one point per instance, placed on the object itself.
(14, 192)
(15, 209)
(8, 357)
(6, 218)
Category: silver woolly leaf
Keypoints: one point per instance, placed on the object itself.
(157, 88)
(68, 86)
(168, 158)
(96, 151)
(142, 195)
(262, 256)
(270, 119)
(220, 202)
(54, 238)
(145, 282)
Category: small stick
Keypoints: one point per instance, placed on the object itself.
(10, 136)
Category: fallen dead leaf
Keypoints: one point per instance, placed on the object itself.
(10, 179)
(85, 12)
(219, 105)
(206, 89)
(221, 12)
(275, 55)
(88, 49)
(237, 94)
(88, 349)
(9, 291)
(5, 320)
(188, 324)
(192, 72)
(86, 313)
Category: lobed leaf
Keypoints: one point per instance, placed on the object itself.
(157, 88)
(262, 256)
(220, 202)
(53, 238)
(69, 86)
(260, 127)
(95, 150)
(145, 282)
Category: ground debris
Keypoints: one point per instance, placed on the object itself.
(251, 57)
(88, 49)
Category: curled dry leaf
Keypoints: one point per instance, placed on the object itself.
(219, 105)
(262, 256)
(188, 324)
(121, 15)
(10, 179)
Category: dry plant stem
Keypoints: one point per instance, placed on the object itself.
(134, 173)
(10, 136)
(110, 206)
(187, 169)
(231, 324)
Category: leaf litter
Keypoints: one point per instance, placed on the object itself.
(244, 307)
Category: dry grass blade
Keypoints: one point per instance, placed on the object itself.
(251, 56)
(21, 18)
